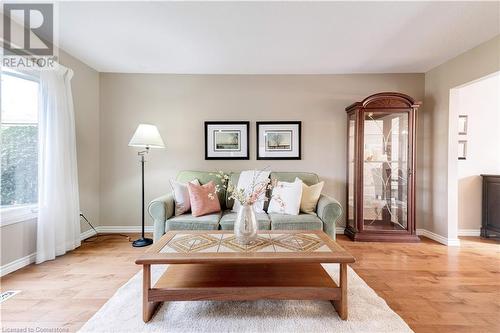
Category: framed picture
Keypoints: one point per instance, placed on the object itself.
(462, 125)
(462, 149)
(227, 140)
(279, 140)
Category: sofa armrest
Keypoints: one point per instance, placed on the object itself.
(161, 209)
(329, 211)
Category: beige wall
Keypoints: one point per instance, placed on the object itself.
(179, 104)
(19, 240)
(438, 162)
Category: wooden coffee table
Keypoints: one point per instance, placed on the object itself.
(211, 265)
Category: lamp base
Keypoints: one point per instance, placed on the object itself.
(142, 242)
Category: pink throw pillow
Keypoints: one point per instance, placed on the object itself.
(203, 199)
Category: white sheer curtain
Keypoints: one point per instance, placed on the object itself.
(58, 226)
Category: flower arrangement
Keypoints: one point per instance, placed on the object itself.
(256, 192)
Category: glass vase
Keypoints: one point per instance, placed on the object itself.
(245, 226)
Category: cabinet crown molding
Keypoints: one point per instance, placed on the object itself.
(385, 100)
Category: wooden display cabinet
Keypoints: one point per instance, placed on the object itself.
(381, 168)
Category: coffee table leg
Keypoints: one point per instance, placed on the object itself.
(341, 304)
(148, 308)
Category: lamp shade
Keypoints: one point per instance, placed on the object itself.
(146, 136)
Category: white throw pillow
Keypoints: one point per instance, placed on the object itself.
(286, 198)
(181, 196)
(247, 178)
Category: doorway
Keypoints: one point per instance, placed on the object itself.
(473, 148)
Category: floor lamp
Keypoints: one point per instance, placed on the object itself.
(145, 136)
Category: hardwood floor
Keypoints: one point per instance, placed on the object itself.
(66, 292)
(434, 288)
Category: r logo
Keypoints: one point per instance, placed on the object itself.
(34, 34)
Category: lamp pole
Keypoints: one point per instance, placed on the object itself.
(143, 241)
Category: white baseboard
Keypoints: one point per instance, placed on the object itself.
(86, 234)
(103, 229)
(469, 232)
(339, 230)
(119, 229)
(438, 238)
(17, 264)
(29, 259)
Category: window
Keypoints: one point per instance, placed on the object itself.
(19, 147)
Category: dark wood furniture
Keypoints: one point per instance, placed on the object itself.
(491, 206)
(381, 168)
(210, 265)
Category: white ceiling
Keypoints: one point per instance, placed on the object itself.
(273, 37)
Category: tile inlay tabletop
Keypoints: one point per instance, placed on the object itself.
(297, 242)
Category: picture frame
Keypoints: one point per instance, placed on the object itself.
(279, 140)
(227, 140)
(462, 124)
(462, 149)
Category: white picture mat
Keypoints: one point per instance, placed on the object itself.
(227, 127)
(294, 152)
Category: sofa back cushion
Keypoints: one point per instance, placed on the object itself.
(307, 177)
(204, 177)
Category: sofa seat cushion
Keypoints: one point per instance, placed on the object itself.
(295, 222)
(229, 218)
(190, 222)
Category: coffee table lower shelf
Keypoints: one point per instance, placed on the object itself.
(239, 282)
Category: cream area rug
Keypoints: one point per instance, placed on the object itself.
(367, 313)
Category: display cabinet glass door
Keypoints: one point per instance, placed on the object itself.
(386, 170)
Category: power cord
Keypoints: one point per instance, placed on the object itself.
(95, 237)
